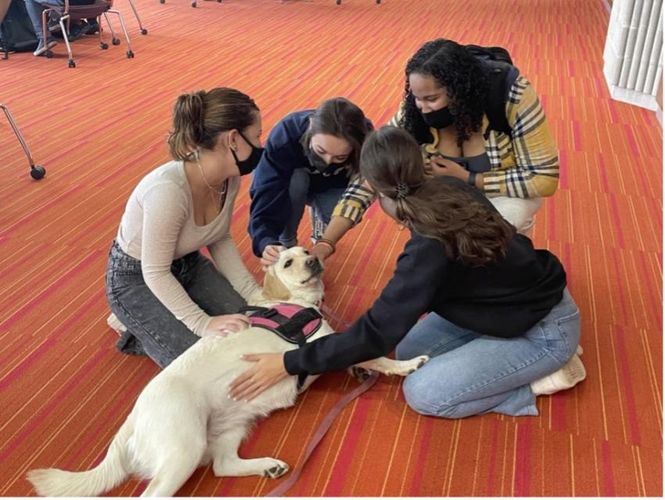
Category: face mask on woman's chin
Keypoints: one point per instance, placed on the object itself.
(439, 119)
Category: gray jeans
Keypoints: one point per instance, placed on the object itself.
(151, 328)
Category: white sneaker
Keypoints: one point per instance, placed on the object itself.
(115, 324)
(567, 377)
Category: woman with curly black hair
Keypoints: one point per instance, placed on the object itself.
(476, 120)
(447, 97)
(499, 325)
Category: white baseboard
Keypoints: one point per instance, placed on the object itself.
(631, 97)
(659, 116)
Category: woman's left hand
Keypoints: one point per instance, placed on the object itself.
(266, 372)
(443, 166)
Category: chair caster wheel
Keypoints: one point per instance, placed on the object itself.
(72, 64)
(37, 172)
(194, 4)
(130, 54)
(103, 46)
(162, 1)
(378, 2)
(144, 31)
(338, 2)
(48, 54)
(115, 41)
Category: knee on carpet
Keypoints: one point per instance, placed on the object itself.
(424, 398)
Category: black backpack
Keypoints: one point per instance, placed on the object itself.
(16, 30)
(502, 76)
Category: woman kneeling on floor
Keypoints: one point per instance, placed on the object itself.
(164, 294)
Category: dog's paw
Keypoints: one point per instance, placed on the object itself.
(417, 362)
(360, 374)
(408, 366)
(421, 360)
(277, 470)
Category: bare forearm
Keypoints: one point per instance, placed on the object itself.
(337, 228)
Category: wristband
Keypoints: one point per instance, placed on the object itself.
(328, 242)
(472, 178)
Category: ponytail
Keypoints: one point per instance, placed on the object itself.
(199, 117)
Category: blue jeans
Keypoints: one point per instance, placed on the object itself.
(469, 374)
(35, 13)
(152, 329)
(322, 202)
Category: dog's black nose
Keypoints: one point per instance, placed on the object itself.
(313, 263)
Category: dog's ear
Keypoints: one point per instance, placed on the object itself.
(273, 288)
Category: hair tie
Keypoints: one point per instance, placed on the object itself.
(402, 190)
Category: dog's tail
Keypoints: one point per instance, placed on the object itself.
(112, 471)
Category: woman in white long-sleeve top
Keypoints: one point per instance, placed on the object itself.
(163, 292)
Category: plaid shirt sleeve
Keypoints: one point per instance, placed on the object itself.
(355, 201)
(535, 169)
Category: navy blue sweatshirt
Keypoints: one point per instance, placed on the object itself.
(503, 299)
(270, 208)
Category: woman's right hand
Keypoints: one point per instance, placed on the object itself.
(271, 255)
(322, 251)
(226, 323)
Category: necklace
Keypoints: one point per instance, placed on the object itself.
(221, 192)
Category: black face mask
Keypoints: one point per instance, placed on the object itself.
(441, 118)
(324, 168)
(247, 166)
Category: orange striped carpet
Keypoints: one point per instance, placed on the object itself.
(100, 127)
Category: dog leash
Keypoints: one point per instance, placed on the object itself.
(321, 432)
(331, 315)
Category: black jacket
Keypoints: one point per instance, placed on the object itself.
(504, 299)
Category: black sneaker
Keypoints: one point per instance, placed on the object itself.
(43, 47)
(76, 31)
(91, 27)
(53, 22)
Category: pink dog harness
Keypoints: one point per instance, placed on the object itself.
(292, 322)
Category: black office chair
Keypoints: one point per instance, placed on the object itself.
(36, 171)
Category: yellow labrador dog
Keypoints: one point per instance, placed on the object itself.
(184, 417)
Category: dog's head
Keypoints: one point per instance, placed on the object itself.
(295, 277)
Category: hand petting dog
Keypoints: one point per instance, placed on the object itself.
(266, 372)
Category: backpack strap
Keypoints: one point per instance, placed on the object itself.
(502, 76)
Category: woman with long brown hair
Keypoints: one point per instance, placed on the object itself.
(500, 326)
